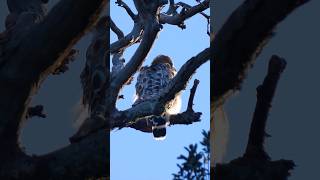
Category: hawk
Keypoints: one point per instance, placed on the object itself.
(151, 81)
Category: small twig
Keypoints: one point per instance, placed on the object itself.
(265, 94)
(36, 111)
(127, 8)
(116, 29)
(117, 59)
(192, 93)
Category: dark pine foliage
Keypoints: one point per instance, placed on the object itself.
(195, 166)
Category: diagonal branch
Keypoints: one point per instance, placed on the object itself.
(253, 23)
(265, 94)
(116, 29)
(187, 6)
(178, 19)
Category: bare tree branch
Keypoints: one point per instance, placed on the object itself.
(172, 8)
(187, 6)
(192, 93)
(116, 29)
(178, 19)
(133, 37)
(265, 94)
(255, 161)
(127, 8)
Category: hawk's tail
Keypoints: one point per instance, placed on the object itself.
(159, 125)
(219, 135)
(80, 113)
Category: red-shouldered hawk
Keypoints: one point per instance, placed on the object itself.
(151, 81)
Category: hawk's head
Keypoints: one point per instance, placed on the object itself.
(161, 59)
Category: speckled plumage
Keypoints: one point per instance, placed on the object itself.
(152, 81)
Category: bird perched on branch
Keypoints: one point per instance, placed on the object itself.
(151, 81)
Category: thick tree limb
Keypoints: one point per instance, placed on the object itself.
(24, 67)
(83, 160)
(252, 23)
(179, 82)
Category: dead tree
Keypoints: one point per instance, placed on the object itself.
(235, 49)
(37, 43)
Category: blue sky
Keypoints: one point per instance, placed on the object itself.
(136, 155)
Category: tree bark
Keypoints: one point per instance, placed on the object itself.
(28, 58)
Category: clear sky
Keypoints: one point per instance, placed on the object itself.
(136, 155)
